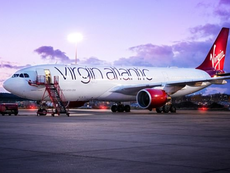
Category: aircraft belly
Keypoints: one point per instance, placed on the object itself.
(116, 97)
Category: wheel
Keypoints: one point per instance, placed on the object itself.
(159, 110)
(172, 109)
(15, 113)
(67, 114)
(166, 108)
(120, 108)
(41, 112)
(127, 108)
(44, 112)
(114, 108)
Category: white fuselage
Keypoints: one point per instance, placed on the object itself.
(84, 83)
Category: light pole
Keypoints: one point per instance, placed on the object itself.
(75, 38)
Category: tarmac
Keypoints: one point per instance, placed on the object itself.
(98, 141)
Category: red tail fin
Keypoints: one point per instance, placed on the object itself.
(214, 61)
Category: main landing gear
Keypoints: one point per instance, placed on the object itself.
(166, 109)
(120, 108)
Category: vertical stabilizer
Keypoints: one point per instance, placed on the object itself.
(214, 61)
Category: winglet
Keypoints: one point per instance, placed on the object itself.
(214, 61)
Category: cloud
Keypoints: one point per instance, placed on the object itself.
(223, 9)
(49, 53)
(205, 30)
(148, 55)
(189, 53)
(93, 61)
(11, 65)
(224, 2)
(181, 54)
(208, 32)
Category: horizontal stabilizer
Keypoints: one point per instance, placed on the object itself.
(224, 74)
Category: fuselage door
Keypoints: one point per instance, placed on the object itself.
(47, 76)
(43, 76)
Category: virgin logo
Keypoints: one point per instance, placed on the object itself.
(216, 59)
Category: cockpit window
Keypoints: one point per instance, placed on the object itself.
(22, 75)
(26, 75)
(15, 75)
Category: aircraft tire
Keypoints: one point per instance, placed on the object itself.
(159, 110)
(114, 108)
(166, 108)
(45, 111)
(121, 108)
(41, 112)
(173, 109)
(127, 108)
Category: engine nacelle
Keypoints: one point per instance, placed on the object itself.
(151, 98)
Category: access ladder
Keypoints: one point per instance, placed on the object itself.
(56, 97)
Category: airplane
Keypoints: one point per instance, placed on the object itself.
(150, 87)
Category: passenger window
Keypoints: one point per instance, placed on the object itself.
(21, 75)
(26, 75)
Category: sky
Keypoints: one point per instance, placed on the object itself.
(115, 32)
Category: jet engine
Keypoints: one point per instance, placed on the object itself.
(151, 98)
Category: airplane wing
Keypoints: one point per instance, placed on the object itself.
(171, 86)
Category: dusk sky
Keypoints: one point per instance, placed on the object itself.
(116, 32)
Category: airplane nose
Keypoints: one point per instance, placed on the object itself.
(8, 85)
(16, 86)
